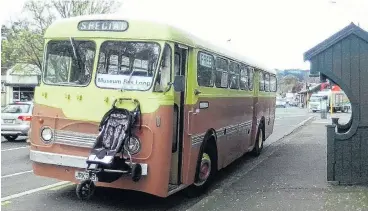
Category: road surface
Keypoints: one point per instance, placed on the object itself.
(24, 191)
(292, 176)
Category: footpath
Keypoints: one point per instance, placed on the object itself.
(292, 177)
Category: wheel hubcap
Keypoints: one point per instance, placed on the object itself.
(204, 170)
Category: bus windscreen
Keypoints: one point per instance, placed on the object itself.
(127, 65)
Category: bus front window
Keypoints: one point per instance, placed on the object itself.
(64, 66)
(127, 65)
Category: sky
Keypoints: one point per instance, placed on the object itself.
(276, 33)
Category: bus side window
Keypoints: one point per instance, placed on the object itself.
(177, 64)
(250, 78)
(221, 80)
(261, 81)
(234, 75)
(273, 85)
(164, 71)
(275, 90)
(244, 77)
(267, 82)
(205, 69)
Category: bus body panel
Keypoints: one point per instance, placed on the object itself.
(156, 148)
(75, 113)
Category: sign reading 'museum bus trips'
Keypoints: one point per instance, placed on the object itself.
(103, 25)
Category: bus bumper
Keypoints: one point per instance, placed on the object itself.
(66, 160)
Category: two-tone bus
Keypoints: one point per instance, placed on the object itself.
(202, 106)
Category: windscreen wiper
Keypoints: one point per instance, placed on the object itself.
(130, 77)
(76, 55)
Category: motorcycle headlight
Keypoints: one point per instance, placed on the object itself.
(46, 134)
(133, 145)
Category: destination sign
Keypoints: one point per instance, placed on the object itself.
(103, 25)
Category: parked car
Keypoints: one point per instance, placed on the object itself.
(16, 120)
(293, 103)
(280, 103)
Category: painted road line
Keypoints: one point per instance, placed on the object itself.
(3, 150)
(17, 195)
(62, 186)
(5, 203)
(290, 116)
(16, 174)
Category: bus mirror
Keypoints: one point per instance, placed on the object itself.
(179, 83)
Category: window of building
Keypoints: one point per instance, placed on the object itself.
(205, 69)
(3, 86)
(23, 94)
(261, 81)
(243, 78)
(234, 75)
(222, 71)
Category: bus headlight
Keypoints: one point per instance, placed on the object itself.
(46, 134)
(133, 145)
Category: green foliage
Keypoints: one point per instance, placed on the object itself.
(289, 83)
(23, 41)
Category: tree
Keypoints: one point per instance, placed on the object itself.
(287, 83)
(297, 87)
(24, 37)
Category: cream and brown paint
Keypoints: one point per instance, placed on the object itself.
(237, 119)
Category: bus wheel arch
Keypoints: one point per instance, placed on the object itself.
(207, 160)
(262, 126)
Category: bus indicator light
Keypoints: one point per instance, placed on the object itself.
(103, 25)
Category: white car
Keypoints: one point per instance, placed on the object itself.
(280, 103)
(16, 120)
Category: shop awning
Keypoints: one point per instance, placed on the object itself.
(312, 89)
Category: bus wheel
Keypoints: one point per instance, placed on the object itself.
(259, 142)
(205, 172)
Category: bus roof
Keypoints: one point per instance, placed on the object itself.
(145, 30)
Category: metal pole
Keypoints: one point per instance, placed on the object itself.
(331, 103)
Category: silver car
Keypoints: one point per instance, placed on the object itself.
(16, 120)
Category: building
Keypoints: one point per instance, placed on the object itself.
(20, 83)
(343, 59)
(3, 88)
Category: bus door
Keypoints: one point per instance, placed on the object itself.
(180, 68)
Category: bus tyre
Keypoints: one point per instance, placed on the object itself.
(205, 173)
(85, 189)
(259, 141)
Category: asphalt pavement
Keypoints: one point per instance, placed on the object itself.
(292, 176)
(21, 190)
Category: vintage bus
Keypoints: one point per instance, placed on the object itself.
(201, 106)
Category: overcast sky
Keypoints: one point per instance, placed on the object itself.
(275, 32)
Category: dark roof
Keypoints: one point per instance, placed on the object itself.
(348, 30)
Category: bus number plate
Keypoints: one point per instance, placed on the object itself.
(82, 175)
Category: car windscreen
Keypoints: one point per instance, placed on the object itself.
(315, 99)
(16, 108)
